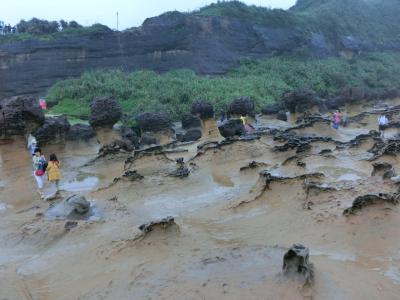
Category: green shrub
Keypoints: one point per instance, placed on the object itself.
(262, 80)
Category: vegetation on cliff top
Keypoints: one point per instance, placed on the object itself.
(263, 80)
(373, 20)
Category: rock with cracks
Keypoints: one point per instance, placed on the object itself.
(367, 200)
(104, 112)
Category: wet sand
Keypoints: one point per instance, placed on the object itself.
(232, 232)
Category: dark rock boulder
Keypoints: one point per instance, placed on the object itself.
(190, 121)
(202, 109)
(19, 115)
(242, 106)
(296, 262)
(104, 112)
(129, 134)
(231, 128)
(147, 140)
(300, 100)
(271, 109)
(52, 130)
(154, 121)
(391, 94)
(282, 116)
(80, 132)
(191, 135)
(351, 95)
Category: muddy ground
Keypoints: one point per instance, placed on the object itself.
(232, 227)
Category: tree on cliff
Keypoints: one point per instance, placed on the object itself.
(37, 26)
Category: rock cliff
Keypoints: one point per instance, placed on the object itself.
(205, 44)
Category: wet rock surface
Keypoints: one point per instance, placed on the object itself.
(104, 112)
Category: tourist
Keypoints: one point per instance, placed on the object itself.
(53, 171)
(32, 144)
(382, 124)
(39, 167)
(248, 127)
(336, 119)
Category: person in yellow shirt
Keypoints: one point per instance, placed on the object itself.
(53, 171)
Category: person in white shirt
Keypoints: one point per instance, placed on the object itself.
(382, 122)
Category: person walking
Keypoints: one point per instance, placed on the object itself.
(336, 119)
(39, 169)
(32, 144)
(382, 124)
(53, 171)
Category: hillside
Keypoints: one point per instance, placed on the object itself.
(211, 41)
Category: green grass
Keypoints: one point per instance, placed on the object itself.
(262, 80)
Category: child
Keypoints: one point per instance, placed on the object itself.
(39, 168)
(53, 170)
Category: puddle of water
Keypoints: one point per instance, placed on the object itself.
(4, 207)
(174, 205)
(393, 273)
(339, 256)
(341, 174)
(76, 185)
(61, 211)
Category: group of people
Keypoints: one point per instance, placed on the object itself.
(41, 166)
(7, 29)
(337, 119)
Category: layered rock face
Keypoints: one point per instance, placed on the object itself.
(207, 45)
